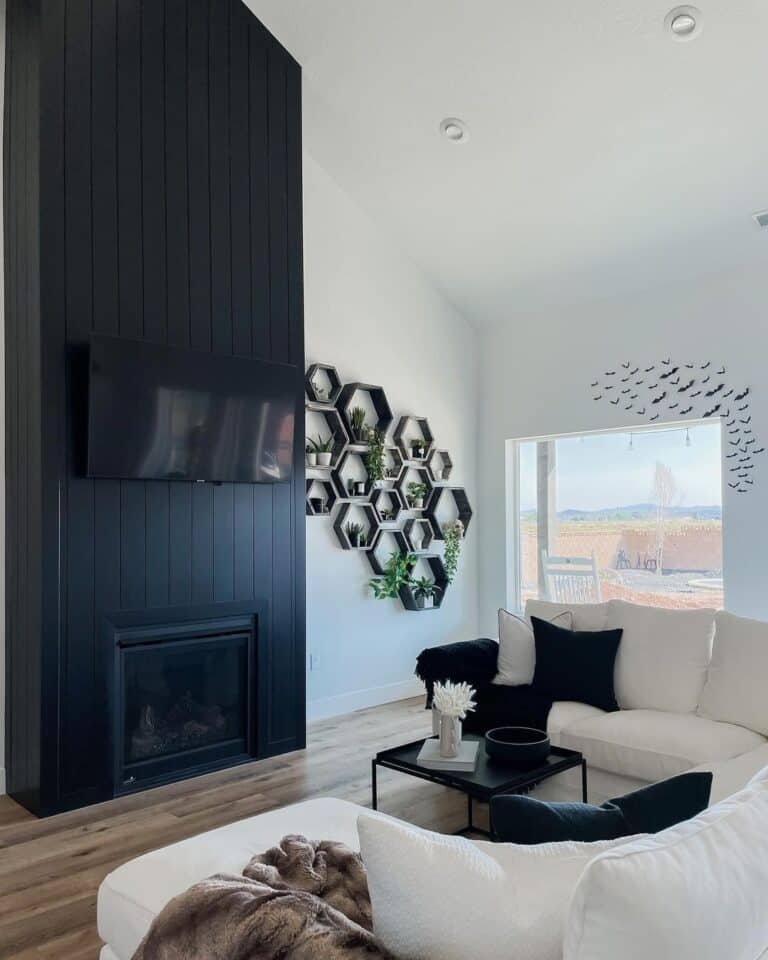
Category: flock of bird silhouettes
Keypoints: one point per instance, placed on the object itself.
(685, 389)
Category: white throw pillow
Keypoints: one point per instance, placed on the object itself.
(438, 897)
(516, 661)
(736, 688)
(698, 891)
(584, 616)
(663, 656)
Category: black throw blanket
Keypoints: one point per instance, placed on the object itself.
(474, 662)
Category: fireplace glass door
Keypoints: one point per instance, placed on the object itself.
(185, 704)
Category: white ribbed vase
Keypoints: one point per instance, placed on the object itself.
(450, 736)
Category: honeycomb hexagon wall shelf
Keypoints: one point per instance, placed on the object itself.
(462, 508)
(379, 400)
(316, 393)
(423, 433)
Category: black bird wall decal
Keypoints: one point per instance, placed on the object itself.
(641, 413)
(661, 396)
(655, 417)
(595, 384)
(689, 366)
(705, 366)
(696, 394)
(747, 421)
(686, 386)
(649, 369)
(626, 365)
(706, 379)
(760, 450)
(730, 456)
(726, 395)
(715, 390)
(653, 386)
(667, 361)
(684, 412)
(742, 396)
(633, 373)
(713, 411)
(721, 372)
(610, 373)
(615, 402)
(742, 409)
(669, 373)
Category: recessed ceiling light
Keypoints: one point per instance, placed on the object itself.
(684, 23)
(761, 219)
(454, 130)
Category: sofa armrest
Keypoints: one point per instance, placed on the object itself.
(471, 661)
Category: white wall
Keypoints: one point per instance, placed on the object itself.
(536, 372)
(2, 424)
(371, 313)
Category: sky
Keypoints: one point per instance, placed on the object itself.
(601, 471)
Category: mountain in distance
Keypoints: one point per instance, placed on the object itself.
(635, 511)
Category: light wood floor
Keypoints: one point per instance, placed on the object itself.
(51, 869)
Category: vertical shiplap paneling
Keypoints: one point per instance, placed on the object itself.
(224, 542)
(282, 653)
(133, 556)
(278, 209)
(176, 185)
(239, 101)
(79, 697)
(129, 170)
(202, 542)
(199, 175)
(243, 541)
(258, 160)
(158, 543)
(153, 170)
(220, 239)
(180, 544)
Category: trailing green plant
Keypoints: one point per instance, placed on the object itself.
(398, 571)
(454, 534)
(374, 460)
(424, 588)
(322, 446)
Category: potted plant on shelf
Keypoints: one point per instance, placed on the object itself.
(416, 494)
(311, 455)
(397, 574)
(324, 451)
(387, 515)
(392, 473)
(374, 460)
(418, 448)
(357, 421)
(355, 534)
(424, 593)
(318, 505)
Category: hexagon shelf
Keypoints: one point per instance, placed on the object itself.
(335, 426)
(342, 476)
(411, 475)
(321, 497)
(410, 429)
(370, 527)
(438, 575)
(419, 534)
(393, 463)
(319, 391)
(440, 465)
(387, 542)
(462, 511)
(346, 402)
(387, 504)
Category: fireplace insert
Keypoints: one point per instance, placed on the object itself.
(184, 700)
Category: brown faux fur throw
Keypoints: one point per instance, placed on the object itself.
(298, 901)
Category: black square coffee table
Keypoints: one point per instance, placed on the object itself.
(489, 778)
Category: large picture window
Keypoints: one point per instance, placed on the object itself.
(632, 515)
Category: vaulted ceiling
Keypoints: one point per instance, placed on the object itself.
(605, 156)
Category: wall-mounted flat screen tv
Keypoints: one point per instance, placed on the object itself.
(160, 413)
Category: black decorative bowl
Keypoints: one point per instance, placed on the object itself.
(521, 747)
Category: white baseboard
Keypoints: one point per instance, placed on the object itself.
(343, 703)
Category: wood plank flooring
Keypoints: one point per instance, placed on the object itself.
(50, 870)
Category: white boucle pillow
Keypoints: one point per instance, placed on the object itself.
(736, 690)
(584, 616)
(437, 897)
(516, 661)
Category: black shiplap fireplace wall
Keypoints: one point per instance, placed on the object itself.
(152, 191)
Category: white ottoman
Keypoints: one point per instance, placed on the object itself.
(132, 896)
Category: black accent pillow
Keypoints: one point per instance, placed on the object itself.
(575, 664)
(648, 810)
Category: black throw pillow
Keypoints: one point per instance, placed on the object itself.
(575, 664)
(648, 810)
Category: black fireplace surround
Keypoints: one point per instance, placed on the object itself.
(153, 166)
(184, 697)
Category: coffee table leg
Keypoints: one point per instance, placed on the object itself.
(584, 796)
(374, 792)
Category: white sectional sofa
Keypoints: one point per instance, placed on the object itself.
(692, 686)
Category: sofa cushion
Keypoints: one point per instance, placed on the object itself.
(664, 654)
(131, 896)
(517, 655)
(439, 897)
(653, 745)
(584, 616)
(736, 690)
(575, 665)
(698, 891)
(730, 776)
(521, 819)
(564, 714)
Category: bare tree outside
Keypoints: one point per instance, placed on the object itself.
(664, 495)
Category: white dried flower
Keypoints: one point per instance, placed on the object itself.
(454, 699)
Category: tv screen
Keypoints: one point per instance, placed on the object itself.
(159, 413)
